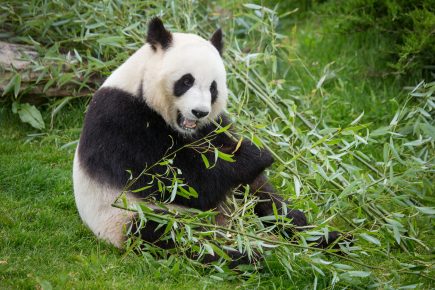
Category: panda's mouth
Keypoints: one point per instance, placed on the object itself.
(185, 123)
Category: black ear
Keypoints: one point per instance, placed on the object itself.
(158, 35)
(217, 40)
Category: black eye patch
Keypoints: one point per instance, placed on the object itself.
(183, 85)
(213, 92)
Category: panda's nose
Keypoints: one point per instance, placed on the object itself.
(199, 114)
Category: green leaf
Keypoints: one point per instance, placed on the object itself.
(356, 128)
(168, 227)
(216, 155)
(357, 119)
(416, 142)
(321, 261)
(380, 131)
(226, 157)
(78, 56)
(183, 192)
(17, 85)
(48, 85)
(342, 266)
(142, 188)
(116, 41)
(275, 210)
(174, 191)
(14, 84)
(327, 131)
(426, 210)
(30, 114)
(395, 119)
(370, 239)
(220, 252)
(205, 160)
(396, 233)
(237, 146)
(257, 141)
(193, 192)
(208, 249)
(223, 129)
(361, 274)
(15, 107)
(411, 286)
(429, 130)
(297, 185)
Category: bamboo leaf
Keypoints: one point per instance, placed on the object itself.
(13, 84)
(426, 210)
(238, 145)
(223, 129)
(370, 239)
(205, 161)
(361, 274)
(226, 157)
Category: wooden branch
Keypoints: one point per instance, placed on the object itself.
(16, 56)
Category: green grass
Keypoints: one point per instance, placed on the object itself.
(43, 239)
(371, 177)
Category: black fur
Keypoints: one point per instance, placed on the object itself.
(267, 196)
(213, 92)
(158, 35)
(182, 85)
(153, 233)
(122, 133)
(217, 40)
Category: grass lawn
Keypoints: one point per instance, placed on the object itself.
(44, 243)
(353, 148)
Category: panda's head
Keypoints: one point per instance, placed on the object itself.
(185, 80)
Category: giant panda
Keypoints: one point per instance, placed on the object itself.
(164, 96)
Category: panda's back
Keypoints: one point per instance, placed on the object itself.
(120, 134)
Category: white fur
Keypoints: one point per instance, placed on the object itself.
(94, 202)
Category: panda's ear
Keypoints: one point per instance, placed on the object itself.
(158, 35)
(217, 40)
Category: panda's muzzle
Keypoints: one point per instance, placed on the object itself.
(185, 123)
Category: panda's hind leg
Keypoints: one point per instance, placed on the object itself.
(261, 188)
(153, 233)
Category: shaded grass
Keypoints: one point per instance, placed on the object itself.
(357, 77)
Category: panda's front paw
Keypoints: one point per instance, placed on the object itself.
(251, 161)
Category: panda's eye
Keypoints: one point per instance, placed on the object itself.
(213, 91)
(183, 84)
(188, 82)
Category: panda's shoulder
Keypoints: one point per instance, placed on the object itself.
(114, 101)
(120, 109)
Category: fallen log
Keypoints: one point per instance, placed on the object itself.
(18, 59)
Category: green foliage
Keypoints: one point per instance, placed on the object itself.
(408, 25)
(28, 114)
(352, 151)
